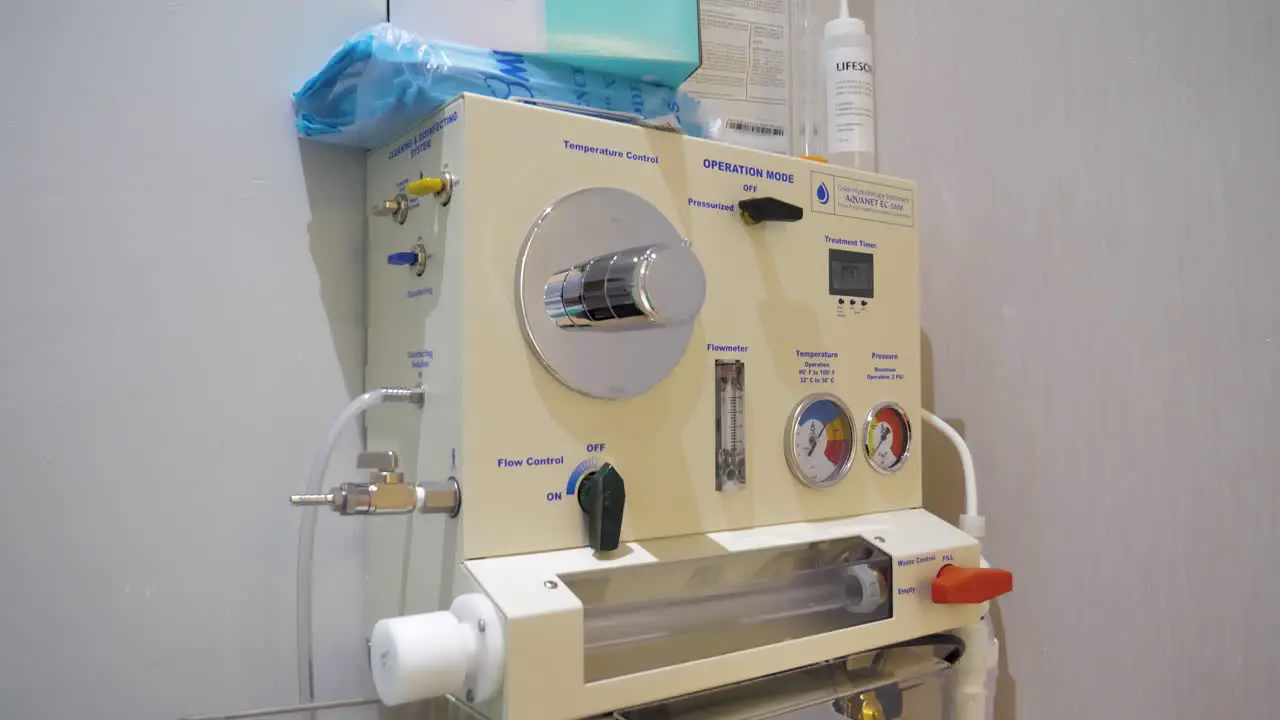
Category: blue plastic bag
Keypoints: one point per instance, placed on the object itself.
(385, 80)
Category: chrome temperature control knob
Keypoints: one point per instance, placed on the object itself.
(629, 289)
(597, 264)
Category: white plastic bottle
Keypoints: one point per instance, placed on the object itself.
(850, 90)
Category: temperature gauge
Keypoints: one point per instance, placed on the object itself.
(819, 441)
(888, 437)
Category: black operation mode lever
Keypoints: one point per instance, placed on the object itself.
(768, 209)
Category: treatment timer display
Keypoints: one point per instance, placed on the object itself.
(851, 274)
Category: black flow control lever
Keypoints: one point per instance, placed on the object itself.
(602, 495)
(767, 209)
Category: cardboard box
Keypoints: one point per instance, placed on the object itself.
(652, 40)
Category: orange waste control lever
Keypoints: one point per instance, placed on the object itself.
(961, 585)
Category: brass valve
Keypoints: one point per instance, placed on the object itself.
(871, 708)
(396, 208)
(385, 493)
(863, 706)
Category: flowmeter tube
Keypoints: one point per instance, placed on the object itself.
(731, 430)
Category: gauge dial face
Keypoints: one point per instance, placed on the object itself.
(819, 443)
(888, 437)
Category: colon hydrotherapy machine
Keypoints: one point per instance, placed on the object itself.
(660, 454)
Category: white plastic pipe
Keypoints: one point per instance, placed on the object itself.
(974, 672)
(970, 697)
(971, 521)
(307, 537)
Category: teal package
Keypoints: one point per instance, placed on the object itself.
(655, 41)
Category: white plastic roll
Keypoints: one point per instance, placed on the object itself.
(417, 657)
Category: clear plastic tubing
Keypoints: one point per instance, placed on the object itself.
(307, 537)
(813, 592)
(808, 100)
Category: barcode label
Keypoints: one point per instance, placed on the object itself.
(753, 127)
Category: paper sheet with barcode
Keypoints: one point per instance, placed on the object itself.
(743, 81)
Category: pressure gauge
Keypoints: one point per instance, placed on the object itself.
(887, 437)
(819, 444)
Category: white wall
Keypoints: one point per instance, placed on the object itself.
(1099, 186)
(181, 297)
(181, 312)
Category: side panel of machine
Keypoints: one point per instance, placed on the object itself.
(414, 337)
(827, 305)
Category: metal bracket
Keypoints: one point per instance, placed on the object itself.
(286, 710)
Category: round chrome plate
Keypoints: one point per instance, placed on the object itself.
(595, 362)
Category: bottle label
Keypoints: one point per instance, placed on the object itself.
(850, 100)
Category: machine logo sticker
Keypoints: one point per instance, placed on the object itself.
(862, 199)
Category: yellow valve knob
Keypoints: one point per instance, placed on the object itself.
(426, 186)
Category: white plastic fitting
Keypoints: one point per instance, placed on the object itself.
(974, 525)
(459, 651)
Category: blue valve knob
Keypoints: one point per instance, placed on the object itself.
(403, 258)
